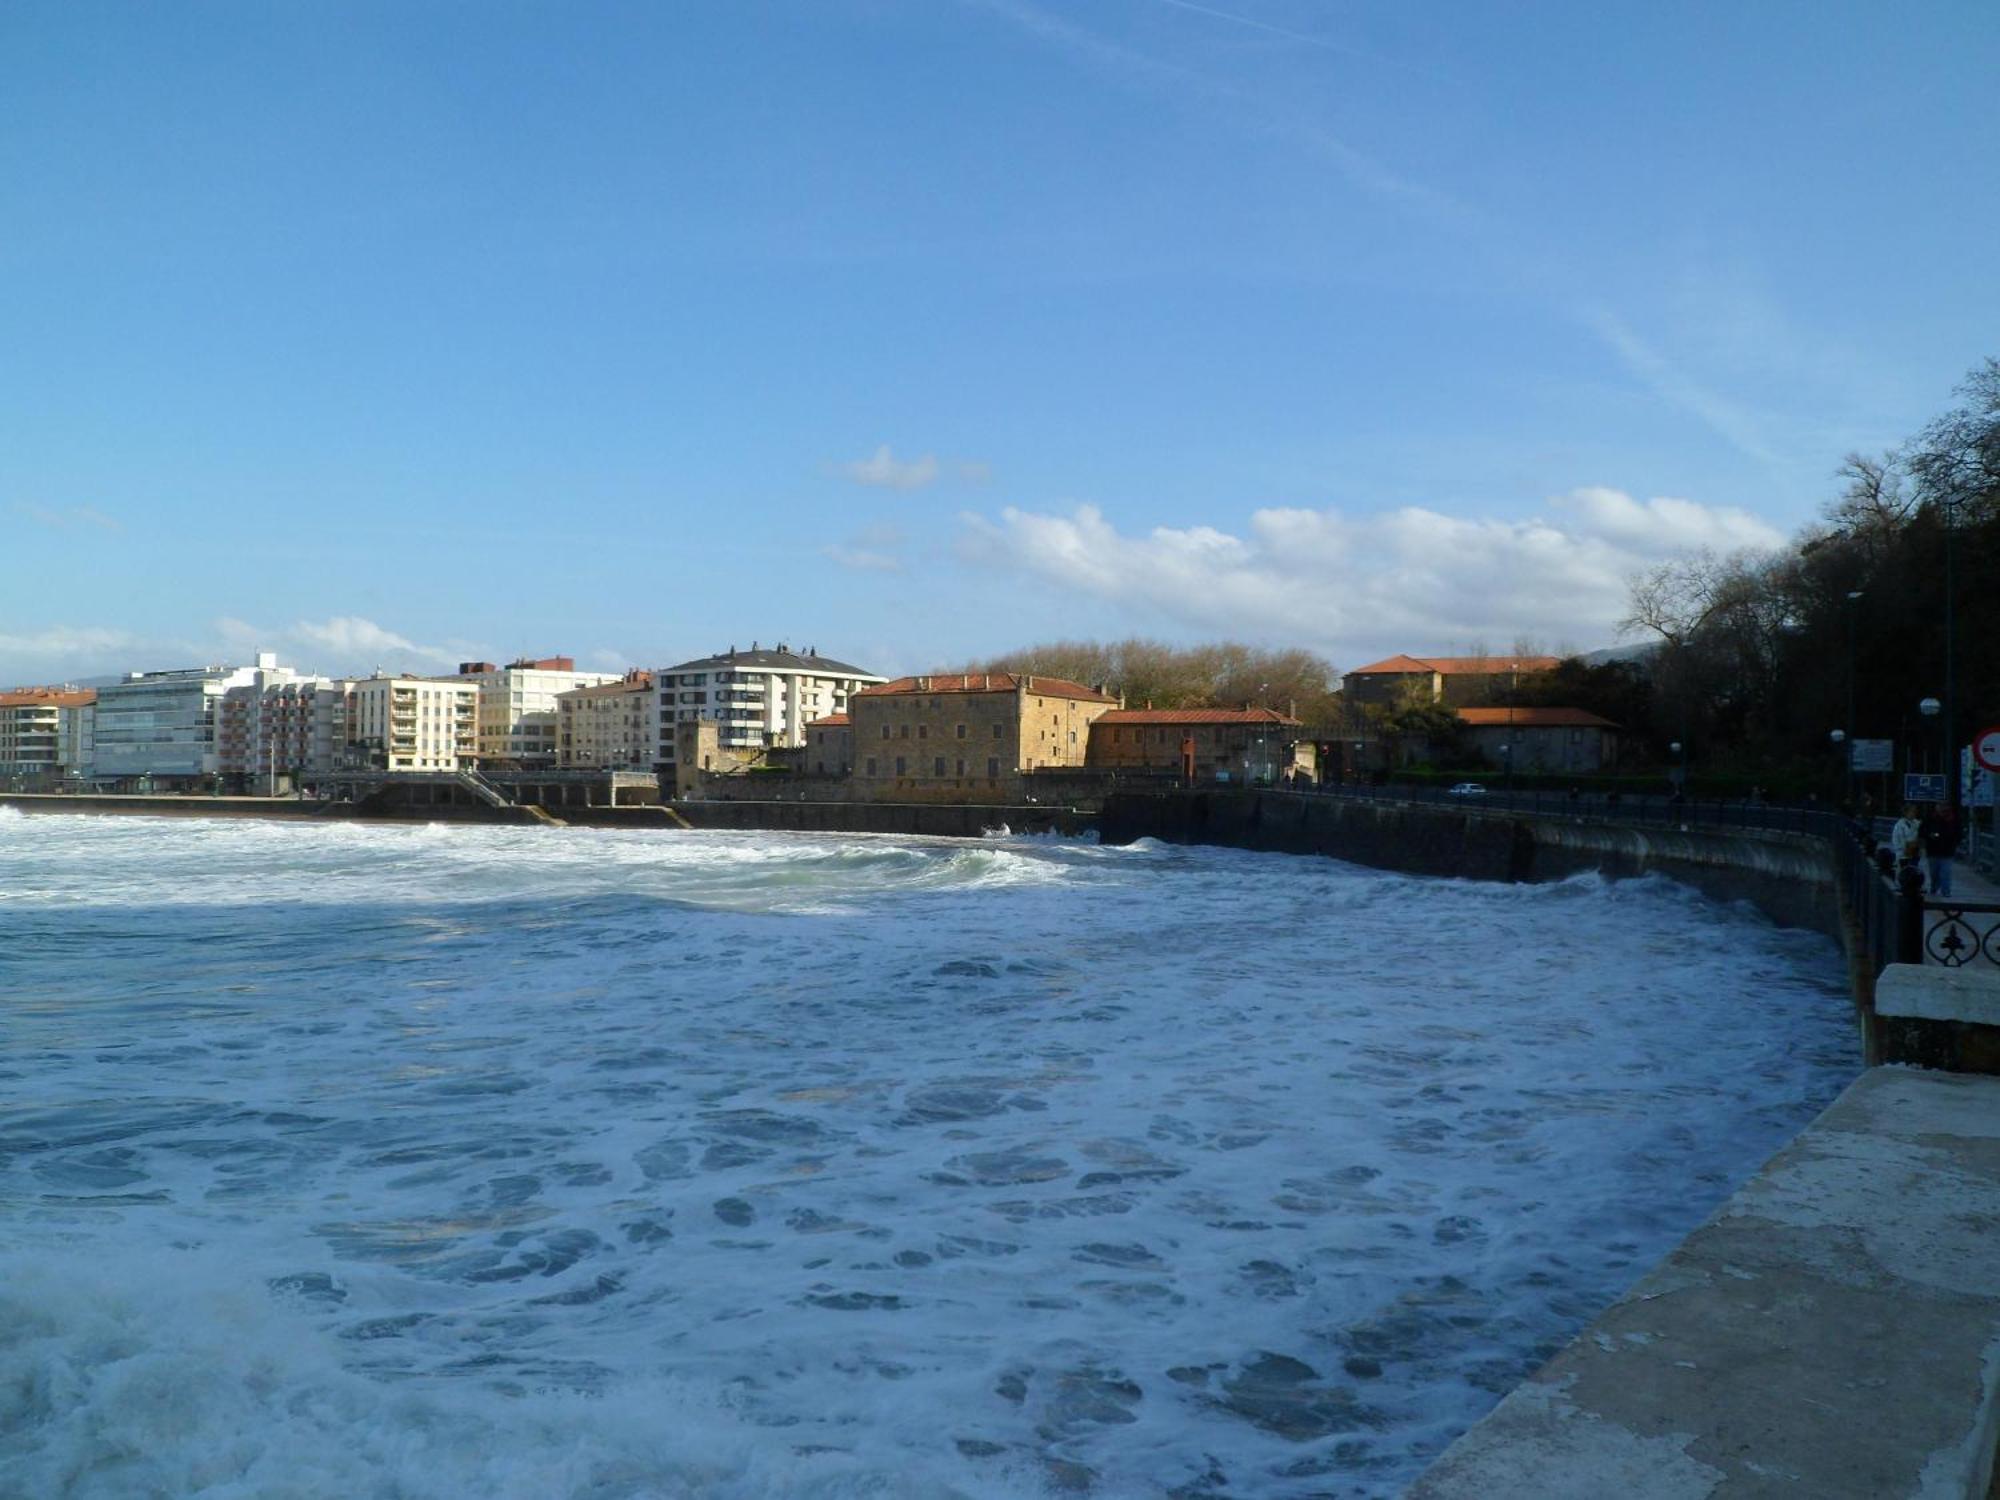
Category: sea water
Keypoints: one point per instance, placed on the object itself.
(394, 1161)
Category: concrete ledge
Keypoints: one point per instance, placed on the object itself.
(1833, 1330)
(1931, 992)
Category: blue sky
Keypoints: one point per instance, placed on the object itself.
(918, 329)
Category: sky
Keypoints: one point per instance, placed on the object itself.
(397, 334)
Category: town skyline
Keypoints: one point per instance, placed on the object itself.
(408, 334)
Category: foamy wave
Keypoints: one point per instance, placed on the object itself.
(177, 1379)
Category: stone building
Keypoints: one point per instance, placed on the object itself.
(1458, 681)
(829, 749)
(1201, 744)
(1542, 739)
(608, 727)
(968, 737)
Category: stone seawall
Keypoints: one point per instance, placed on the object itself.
(1790, 878)
(922, 819)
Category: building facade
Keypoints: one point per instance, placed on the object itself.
(1559, 740)
(758, 699)
(519, 719)
(1201, 744)
(159, 729)
(829, 748)
(1458, 681)
(280, 729)
(968, 737)
(413, 723)
(45, 737)
(608, 727)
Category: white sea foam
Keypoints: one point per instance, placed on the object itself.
(343, 1160)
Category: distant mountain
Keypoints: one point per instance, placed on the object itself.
(1637, 651)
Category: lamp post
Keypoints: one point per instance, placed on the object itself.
(1680, 768)
(1838, 739)
(1929, 709)
(1853, 598)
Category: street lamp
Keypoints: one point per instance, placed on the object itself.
(1680, 768)
(1929, 708)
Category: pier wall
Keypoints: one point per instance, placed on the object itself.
(1790, 878)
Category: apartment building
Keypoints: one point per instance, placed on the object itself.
(280, 729)
(159, 729)
(951, 737)
(758, 699)
(609, 727)
(1459, 681)
(45, 737)
(518, 716)
(1201, 744)
(413, 723)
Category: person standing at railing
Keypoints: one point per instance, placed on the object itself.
(1940, 837)
(1907, 839)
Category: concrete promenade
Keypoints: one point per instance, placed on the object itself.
(1832, 1331)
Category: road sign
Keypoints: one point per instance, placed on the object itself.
(1986, 748)
(1922, 787)
(1871, 755)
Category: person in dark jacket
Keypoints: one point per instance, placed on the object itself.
(1940, 837)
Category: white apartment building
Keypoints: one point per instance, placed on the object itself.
(518, 716)
(282, 725)
(413, 723)
(608, 728)
(45, 737)
(159, 728)
(759, 699)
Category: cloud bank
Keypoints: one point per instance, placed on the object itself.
(1361, 586)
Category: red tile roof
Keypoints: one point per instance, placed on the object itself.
(1197, 716)
(831, 721)
(60, 697)
(983, 682)
(1533, 718)
(1455, 666)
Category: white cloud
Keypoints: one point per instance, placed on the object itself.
(861, 559)
(883, 469)
(1360, 586)
(358, 642)
(68, 518)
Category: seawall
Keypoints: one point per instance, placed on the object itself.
(939, 820)
(1788, 877)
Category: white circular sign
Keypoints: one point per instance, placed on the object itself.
(1986, 749)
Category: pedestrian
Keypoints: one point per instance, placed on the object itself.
(1907, 838)
(1940, 838)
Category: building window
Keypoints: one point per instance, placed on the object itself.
(906, 731)
(885, 731)
(961, 768)
(996, 730)
(871, 765)
(993, 766)
(901, 767)
(923, 731)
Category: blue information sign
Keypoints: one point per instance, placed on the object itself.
(1922, 788)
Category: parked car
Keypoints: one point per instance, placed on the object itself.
(1467, 789)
